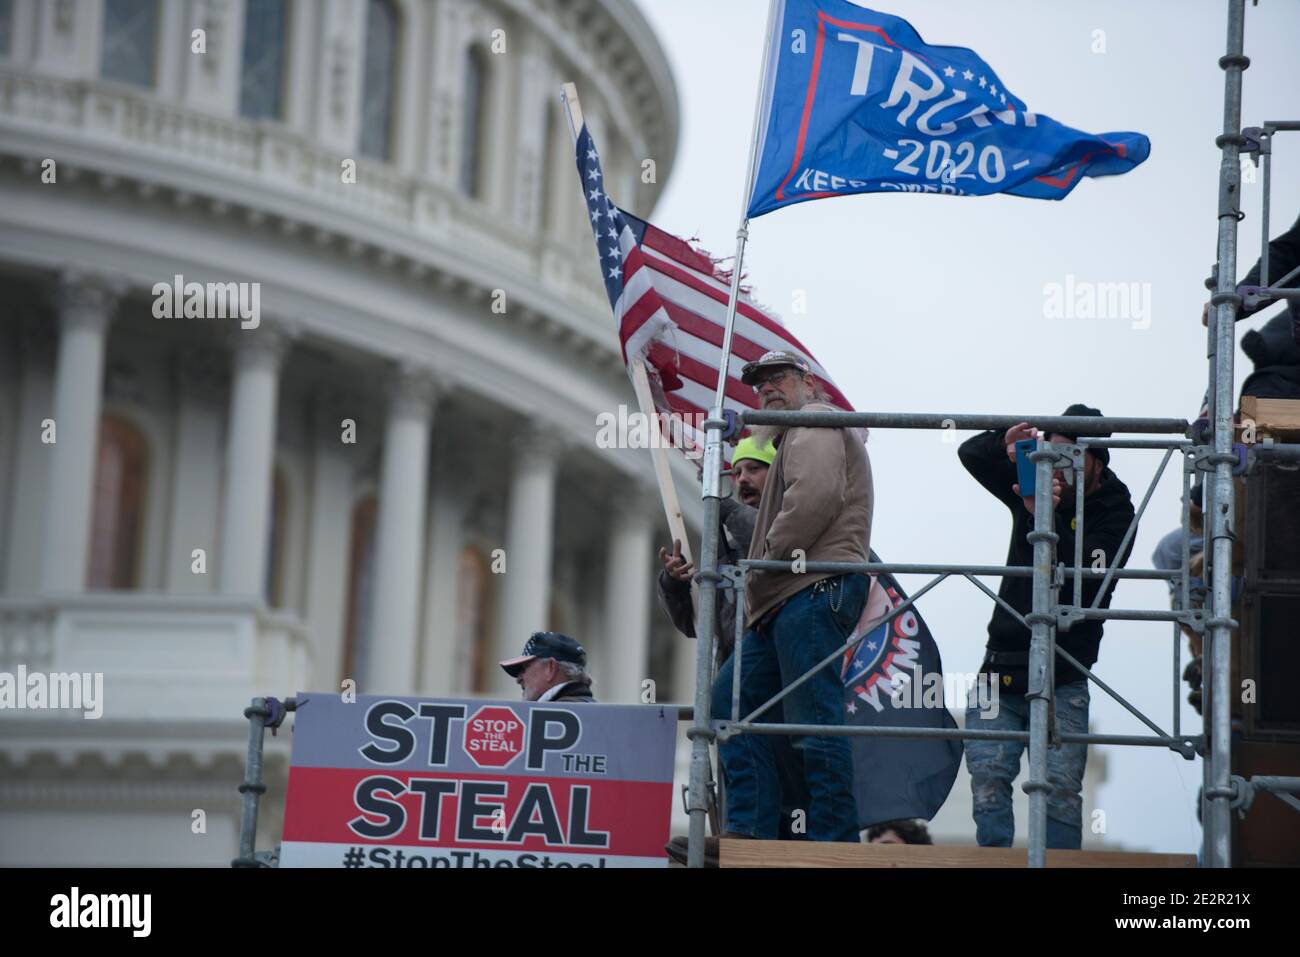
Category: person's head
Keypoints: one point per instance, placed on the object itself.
(1092, 469)
(549, 659)
(1095, 460)
(749, 465)
(784, 383)
(899, 832)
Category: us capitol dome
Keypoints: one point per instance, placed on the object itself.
(382, 466)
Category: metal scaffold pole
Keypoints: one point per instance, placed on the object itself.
(1040, 621)
(252, 788)
(1226, 303)
(701, 733)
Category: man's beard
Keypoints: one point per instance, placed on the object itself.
(744, 498)
(763, 434)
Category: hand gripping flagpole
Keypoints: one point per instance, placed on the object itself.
(706, 621)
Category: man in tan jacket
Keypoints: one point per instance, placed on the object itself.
(816, 507)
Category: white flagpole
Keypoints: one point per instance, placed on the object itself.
(742, 231)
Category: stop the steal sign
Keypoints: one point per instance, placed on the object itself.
(494, 736)
(421, 783)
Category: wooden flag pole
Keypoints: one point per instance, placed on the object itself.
(667, 490)
(641, 386)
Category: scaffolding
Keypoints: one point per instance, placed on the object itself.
(1206, 446)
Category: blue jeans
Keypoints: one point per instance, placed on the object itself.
(810, 625)
(993, 765)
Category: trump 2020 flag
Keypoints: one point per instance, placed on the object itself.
(854, 101)
(896, 778)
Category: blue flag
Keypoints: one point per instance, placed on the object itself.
(854, 101)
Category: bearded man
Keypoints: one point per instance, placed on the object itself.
(816, 506)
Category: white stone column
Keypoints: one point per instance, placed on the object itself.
(411, 81)
(11, 438)
(444, 89)
(445, 664)
(627, 601)
(499, 132)
(85, 308)
(529, 160)
(22, 43)
(67, 38)
(302, 67)
(526, 590)
(341, 36)
(330, 525)
(250, 452)
(399, 546)
(172, 49)
(196, 472)
(25, 530)
(209, 81)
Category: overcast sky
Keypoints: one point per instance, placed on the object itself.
(936, 304)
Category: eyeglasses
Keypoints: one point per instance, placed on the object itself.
(773, 378)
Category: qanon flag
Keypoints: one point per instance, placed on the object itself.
(854, 101)
(897, 777)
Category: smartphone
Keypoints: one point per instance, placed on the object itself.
(1026, 471)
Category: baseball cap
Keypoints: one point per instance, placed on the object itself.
(546, 644)
(768, 360)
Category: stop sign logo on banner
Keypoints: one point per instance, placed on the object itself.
(494, 736)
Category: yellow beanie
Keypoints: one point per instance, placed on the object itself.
(747, 448)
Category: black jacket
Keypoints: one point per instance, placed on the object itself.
(577, 691)
(1276, 357)
(1283, 256)
(1106, 516)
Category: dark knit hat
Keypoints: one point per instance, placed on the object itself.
(1103, 455)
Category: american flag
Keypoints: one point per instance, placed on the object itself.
(670, 306)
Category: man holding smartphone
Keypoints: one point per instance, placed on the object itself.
(1108, 510)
